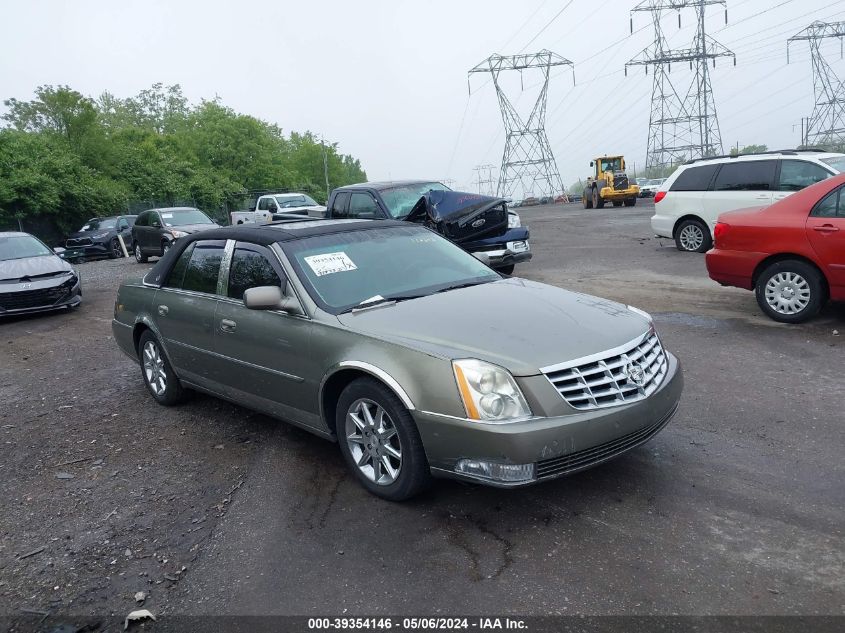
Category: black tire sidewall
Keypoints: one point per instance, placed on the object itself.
(139, 254)
(809, 273)
(174, 392)
(415, 473)
(113, 243)
(705, 244)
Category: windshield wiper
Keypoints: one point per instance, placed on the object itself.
(378, 300)
(462, 285)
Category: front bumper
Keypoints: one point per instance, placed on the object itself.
(512, 247)
(556, 446)
(41, 298)
(608, 193)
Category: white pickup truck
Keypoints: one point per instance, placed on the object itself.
(271, 205)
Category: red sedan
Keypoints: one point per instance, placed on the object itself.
(792, 254)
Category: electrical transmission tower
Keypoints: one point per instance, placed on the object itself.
(527, 160)
(683, 123)
(826, 126)
(484, 179)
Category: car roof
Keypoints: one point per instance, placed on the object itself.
(774, 155)
(171, 209)
(287, 194)
(387, 184)
(14, 234)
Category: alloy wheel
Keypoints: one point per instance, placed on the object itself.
(138, 255)
(373, 442)
(692, 237)
(787, 293)
(115, 248)
(154, 368)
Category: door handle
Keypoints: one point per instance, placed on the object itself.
(826, 228)
(227, 325)
(763, 197)
(163, 310)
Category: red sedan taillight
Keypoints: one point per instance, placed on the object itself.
(720, 231)
(659, 196)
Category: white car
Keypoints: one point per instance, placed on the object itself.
(688, 204)
(650, 187)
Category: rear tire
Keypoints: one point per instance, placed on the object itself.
(631, 202)
(158, 374)
(617, 203)
(693, 236)
(139, 256)
(587, 199)
(373, 428)
(790, 291)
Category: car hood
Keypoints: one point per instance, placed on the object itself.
(459, 215)
(515, 323)
(192, 228)
(78, 234)
(33, 267)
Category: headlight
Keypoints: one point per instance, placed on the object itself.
(99, 236)
(489, 392)
(513, 220)
(178, 234)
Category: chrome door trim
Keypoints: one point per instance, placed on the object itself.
(225, 266)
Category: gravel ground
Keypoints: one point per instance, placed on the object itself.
(736, 508)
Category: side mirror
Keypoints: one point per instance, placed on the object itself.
(273, 207)
(270, 298)
(58, 250)
(156, 224)
(484, 258)
(592, 164)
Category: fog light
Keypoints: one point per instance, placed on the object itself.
(495, 471)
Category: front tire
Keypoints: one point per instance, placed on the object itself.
(165, 246)
(631, 202)
(380, 442)
(114, 249)
(158, 374)
(139, 256)
(587, 199)
(617, 203)
(790, 291)
(693, 236)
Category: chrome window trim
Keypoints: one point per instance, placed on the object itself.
(225, 266)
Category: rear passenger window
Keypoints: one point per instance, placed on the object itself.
(204, 267)
(831, 206)
(177, 273)
(338, 209)
(250, 269)
(751, 175)
(694, 178)
(797, 174)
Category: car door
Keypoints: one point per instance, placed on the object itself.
(826, 233)
(184, 311)
(139, 227)
(740, 184)
(267, 352)
(794, 175)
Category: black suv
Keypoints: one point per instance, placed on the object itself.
(99, 236)
(156, 230)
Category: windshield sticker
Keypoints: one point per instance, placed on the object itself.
(330, 263)
(167, 215)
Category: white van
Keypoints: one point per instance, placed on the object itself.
(687, 205)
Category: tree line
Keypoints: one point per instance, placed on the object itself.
(66, 157)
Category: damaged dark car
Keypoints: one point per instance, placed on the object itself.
(33, 278)
(99, 237)
(482, 225)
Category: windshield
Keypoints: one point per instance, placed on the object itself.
(611, 164)
(837, 162)
(21, 246)
(286, 202)
(183, 217)
(400, 200)
(344, 270)
(99, 225)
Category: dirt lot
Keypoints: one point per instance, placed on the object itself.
(736, 508)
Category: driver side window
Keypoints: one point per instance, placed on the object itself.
(362, 205)
(250, 268)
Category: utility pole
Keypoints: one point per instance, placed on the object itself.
(325, 165)
(826, 125)
(683, 122)
(484, 179)
(527, 160)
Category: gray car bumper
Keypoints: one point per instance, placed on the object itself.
(556, 446)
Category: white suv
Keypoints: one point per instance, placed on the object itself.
(689, 202)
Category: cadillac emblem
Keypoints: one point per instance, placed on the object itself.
(635, 373)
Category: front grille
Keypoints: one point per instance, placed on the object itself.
(620, 182)
(79, 241)
(625, 375)
(24, 299)
(587, 457)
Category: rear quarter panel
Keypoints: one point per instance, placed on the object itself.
(132, 307)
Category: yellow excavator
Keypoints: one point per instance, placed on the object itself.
(609, 183)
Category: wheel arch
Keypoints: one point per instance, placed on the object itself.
(782, 257)
(342, 374)
(684, 218)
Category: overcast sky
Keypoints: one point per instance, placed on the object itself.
(387, 79)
